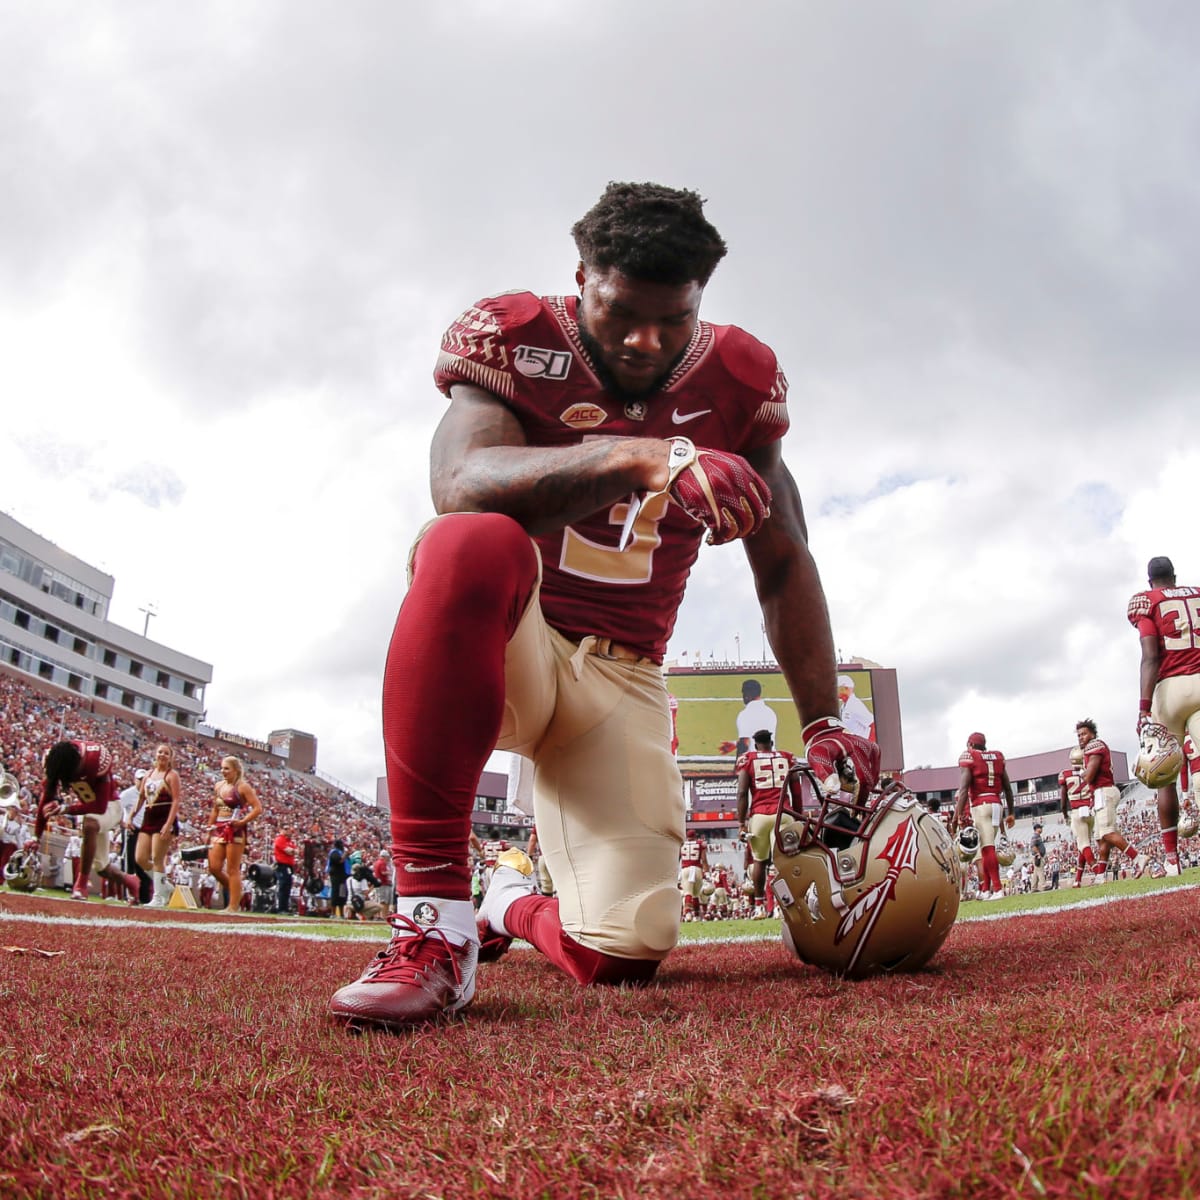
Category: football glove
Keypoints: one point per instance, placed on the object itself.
(841, 761)
(45, 811)
(720, 490)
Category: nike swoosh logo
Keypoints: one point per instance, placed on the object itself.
(678, 418)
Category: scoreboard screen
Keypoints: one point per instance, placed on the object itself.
(717, 710)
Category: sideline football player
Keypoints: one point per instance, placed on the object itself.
(693, 863)
(1167, 618)
(762, 774)
(1100, 790)
(1077, 811)
(84, 769)
(983, 778)
(590, 444)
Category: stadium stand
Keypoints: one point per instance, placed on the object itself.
(33, 718)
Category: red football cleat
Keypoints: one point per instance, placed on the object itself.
(419, 976)
(492, 945)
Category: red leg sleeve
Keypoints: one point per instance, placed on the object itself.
(443, 691)
(535, 918)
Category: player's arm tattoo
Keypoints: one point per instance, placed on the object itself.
(481, 462)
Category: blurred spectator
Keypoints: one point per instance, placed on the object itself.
(338, 873)
(12, 830)
(284, 851)
(383, 872)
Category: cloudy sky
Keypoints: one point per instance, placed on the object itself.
(231, 234)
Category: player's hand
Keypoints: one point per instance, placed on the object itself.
(719, 489)
(841, 761)
(46, 810)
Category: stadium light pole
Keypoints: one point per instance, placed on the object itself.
(150, 611)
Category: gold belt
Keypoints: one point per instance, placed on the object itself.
(603, 648)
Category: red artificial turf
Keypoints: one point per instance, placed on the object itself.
(1040, 1056)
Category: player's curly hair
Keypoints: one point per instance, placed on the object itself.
(59, 767)
(1088, 724)
(61, 763)
(649, 232)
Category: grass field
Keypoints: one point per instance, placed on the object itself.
(1046, 1052)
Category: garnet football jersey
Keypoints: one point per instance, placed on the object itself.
(1104, 776)
(1072, 779)
(92, 795)
(1173, 616)
(726, 392)
(987, 772)
(768, 776)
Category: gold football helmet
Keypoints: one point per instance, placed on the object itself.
(21, 872)
(865, 886)
(1159, 756)
(1188, 824)
(1005, 854)
(967, 842)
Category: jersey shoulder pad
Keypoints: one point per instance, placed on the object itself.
(475, 346)
(748, 360)
(506, 311)
(966, 758)
(1095, 746)
(754, 369)
(744, 761)
(1139, 606)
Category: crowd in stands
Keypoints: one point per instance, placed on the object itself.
(32, 720)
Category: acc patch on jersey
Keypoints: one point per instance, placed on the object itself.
(583, 416)
(537, 363)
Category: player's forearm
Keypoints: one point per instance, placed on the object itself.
(1147, 682)
(92, 808)
(545, 488)
(797, 624)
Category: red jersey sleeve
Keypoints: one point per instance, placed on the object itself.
(1138, 613)
(476, 347)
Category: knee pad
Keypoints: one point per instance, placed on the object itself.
(656, 922)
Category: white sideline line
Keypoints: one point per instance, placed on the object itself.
(245, 930)
(192, 926)
(1070, 906)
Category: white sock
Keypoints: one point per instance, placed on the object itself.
(455, 918)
